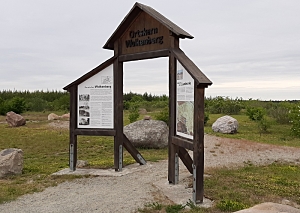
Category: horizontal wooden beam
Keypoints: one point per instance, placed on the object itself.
(144, 55)
(95, 132)
(183, 143)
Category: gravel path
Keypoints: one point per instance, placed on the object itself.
(129, 192)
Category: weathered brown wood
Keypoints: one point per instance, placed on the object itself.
(186, 159)
(173, 149)
(145, 55)
(198, 153)
(95, 132)
(191, 68)
(182, 142)
(118, 110)
(144, 34)
(73, 123)
(133, 151)
(137, 9)
(91, 73)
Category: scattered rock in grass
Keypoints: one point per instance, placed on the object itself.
(15, 120)
(81, 163)
(67, 116)
(11, 162)
(53, 116)
(142, 111)
(148, 133)
(225, 124)
(147, 117)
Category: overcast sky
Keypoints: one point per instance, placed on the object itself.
(248, 49)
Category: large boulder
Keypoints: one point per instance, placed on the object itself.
(225, 124)
(11, 162)
(14, 119)
(148, 133)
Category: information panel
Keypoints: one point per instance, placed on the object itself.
(185, 103)
(95, 101)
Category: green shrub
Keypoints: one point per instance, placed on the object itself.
(62, 103)
(255, 113)
(174, 208)
(280, 113)
(230, 205)
(294, 116)
(3, 107)
(163, 115)
(36, 104)
(263, 125)
(16, 104)
(221, 105)
(133, 113)
(206, 117)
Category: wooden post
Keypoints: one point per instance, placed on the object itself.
(173, 149)
(198, 153)
(73, 125)
(118, 110)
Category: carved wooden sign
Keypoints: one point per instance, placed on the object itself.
(145, 34)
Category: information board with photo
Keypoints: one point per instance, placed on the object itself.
(95, 101)
(185, 103)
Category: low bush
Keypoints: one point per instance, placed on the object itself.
(221, 105)
(163, 115)
(133, 113)
(15, 104)
(255, 113)
(294, 116)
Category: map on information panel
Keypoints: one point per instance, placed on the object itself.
(185, 103)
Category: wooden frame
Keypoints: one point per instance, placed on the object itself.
(144, 34)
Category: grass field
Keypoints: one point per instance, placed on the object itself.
(46, 151)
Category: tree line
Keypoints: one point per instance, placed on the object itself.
(283, 112)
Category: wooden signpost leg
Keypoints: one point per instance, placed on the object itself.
(118, 115)
(198, 153)
(73, 153)
(73, 124)
(173, 161)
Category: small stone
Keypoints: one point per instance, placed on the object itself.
(11, 162)
(147, 117)
(81, 163)
(142, 111)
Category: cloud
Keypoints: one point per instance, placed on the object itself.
(237, 44)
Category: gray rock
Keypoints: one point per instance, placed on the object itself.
(225, 124)
(11, 162)
(142, 111)
(148, 133)
(270, 208)
(14, 119)
(81, 163)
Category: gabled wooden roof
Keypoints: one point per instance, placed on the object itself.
(91, 73)
(134, 12)
(193, 70)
